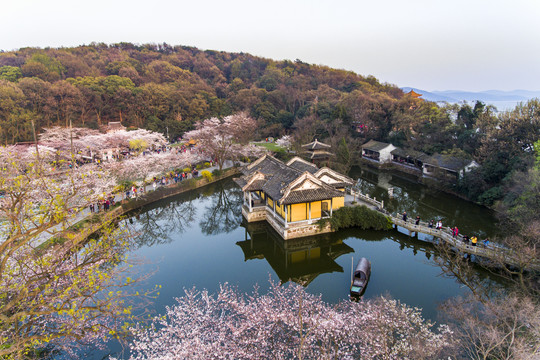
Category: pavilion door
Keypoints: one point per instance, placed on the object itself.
(324, 209)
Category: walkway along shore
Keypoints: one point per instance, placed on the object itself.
(493, 251)
(93, 222)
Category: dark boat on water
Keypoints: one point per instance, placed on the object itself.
(360, 277)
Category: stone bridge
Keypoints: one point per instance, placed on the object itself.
(493, 251)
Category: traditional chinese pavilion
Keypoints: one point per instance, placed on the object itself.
(414, 94)
(318, 152)
(291, 196)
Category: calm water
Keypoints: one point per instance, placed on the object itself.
(199, 239)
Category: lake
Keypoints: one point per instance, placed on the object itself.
(199, 239)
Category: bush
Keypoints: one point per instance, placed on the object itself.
(125, 185)
(357, 216)
(207, 175)
(198, 167)
(94, 219)
(186, 170)
(189, 183)
(217, 172)
(206, 164)
(490, 196)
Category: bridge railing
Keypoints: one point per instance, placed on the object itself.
(490, 251)
(373, 201)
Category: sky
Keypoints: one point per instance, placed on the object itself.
(470, 45)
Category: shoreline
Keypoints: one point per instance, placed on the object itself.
(92, 223)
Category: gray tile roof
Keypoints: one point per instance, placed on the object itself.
(447, 162)
(413, 154)
(323, 193)
(316, 145)
(256, 185)
(374, 145)
(240, 181)
(321, 155)
(278, 176)
(304, 166)
(342, 181)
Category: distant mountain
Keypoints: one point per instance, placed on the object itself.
(431, 96)
(503, 100)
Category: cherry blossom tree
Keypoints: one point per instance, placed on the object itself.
(85, 140)
(60, 137)
(145, 167)
(285, 141)
(286, 323)
(224, 139)
(67, 290)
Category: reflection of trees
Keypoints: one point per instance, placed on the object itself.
(224, 212)
(155, 225)
(427, 202)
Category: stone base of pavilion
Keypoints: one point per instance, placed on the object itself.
(287, 230)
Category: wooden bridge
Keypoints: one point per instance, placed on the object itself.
(492, 251)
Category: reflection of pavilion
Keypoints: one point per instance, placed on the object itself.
(300, 260)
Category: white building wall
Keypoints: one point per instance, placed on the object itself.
(385, 155)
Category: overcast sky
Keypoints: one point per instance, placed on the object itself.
(429, 44)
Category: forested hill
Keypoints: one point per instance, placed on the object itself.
(162, 86)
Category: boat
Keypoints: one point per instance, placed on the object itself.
(360, 277)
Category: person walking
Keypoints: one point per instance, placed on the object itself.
(418, 220)
(404, 216)
(474, 240)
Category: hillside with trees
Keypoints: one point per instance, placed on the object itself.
(160, 86)
(226, 100)
(170, 89)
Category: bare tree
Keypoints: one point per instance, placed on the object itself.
(504, 328)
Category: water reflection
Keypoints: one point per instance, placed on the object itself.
(426, 202)
(224, 212)
(299, 260)
(156, 223)
(217, 211)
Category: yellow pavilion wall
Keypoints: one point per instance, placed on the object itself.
(338, 202)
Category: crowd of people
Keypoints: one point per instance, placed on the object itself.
(172, 177)
(103, 204)
(455, 231)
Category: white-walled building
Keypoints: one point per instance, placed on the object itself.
(447, 167)
(377, 151)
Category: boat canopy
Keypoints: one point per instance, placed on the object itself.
(363, 269)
